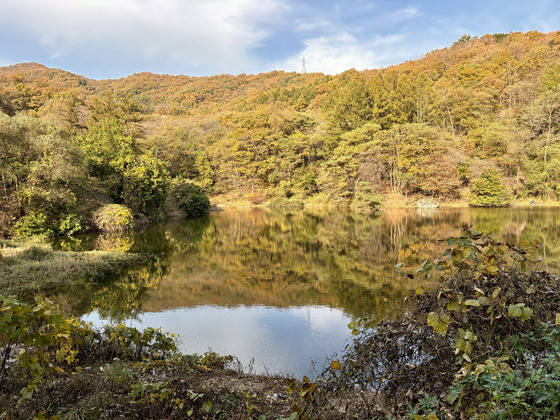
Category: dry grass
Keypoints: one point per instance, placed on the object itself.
(35, 266)
(177, 388)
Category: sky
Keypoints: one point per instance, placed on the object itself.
(103, 39)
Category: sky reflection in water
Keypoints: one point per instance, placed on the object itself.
(280, 340)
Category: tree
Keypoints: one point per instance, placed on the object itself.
(140, 181)
(543, 118)
(488, 190)
(6, 106)
(349, 106)
(416, 158)
(41, 172)
(340, 170)
(364, 198)
(191, 199)
(145, 185)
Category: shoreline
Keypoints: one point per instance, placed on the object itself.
(218, 204)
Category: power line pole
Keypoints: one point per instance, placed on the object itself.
(303, 68)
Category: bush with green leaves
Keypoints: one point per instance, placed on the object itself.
(71, 224)
(37, 341)
(531, 390)
(113, 218)
(45, 341)
(34, 224)
(191, 198)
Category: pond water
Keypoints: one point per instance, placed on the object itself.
(278, 288)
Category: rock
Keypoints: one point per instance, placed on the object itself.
(427, 203)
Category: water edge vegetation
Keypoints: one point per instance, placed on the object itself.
(482, 343)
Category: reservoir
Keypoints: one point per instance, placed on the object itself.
(277, 288)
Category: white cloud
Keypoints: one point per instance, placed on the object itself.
(210, 33)
(407, 13)
(364, 36)
(311, 25)
(338, 53)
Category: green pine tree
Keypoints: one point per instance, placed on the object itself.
(488, 190)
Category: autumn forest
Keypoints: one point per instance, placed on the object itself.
(477, 119)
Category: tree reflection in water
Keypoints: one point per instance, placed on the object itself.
(238, 281)
(285, 258)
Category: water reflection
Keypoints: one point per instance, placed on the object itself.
(273, 340)
(294, 258)
(255, 269)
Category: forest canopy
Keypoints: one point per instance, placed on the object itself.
(425, 128)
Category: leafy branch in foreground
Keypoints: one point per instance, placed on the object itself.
(48, 343)
(57, 367)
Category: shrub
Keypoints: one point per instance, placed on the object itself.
(531, 390)
(71, 224)
(191, 199)
(37, 342)
(113, 218)
(34, 224)
(40, 337)
(488, 191)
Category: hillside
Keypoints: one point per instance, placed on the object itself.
(485, 108)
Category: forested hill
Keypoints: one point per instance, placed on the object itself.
(425, 128)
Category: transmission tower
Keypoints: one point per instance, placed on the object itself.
(303, 68)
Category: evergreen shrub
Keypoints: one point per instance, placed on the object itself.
(488, 191)
(192, 199)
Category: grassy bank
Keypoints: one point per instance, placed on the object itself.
(33, 266)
